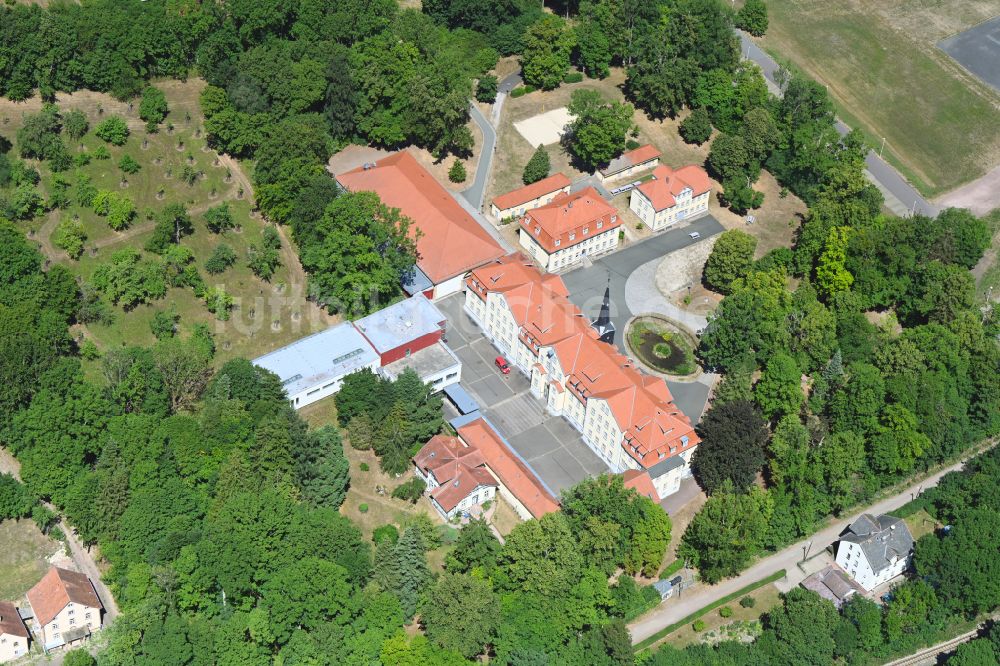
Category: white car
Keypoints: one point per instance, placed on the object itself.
(695, 234)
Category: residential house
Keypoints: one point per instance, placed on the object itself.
(14, 638)
(671, 196)
(627, 418)
(833, 584)
(455, 477)
(630, 163)
(517, 202)
(450, 243)
(66, 607)
(874, 550)
(559, 234)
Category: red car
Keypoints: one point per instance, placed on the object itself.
(501, 364)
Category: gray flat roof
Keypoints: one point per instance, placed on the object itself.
(315, 359)
(401, 323)
(461, 398)
(426, 362)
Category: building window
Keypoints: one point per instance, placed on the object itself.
(72, 621)
(586, 230)
(572, 236)
(600, 224)
(558, 242)
(614, 218)
(86, 616)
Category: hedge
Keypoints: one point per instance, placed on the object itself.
(671, 569)
(573, 77)
(642, 645)
(517, 92)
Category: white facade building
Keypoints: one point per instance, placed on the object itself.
(874, 550)
(671, 196)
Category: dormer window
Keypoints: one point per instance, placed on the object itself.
(572, 236)
(538, 230)
(586, 230)
(600, 223)
(684, 440)
(614, 218)
(661, 455)
(673, 449)
(558, 242)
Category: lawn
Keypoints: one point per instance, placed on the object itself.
(987, 271)
(741, 623)
(920, 523)
(879, 61)
(266, 315)
(24, 557)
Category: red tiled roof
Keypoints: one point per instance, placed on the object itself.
(641, 405)
(461, 485)
(452, 242)
(508, 468)
(444, 455)
(56, 589)
(531, 192)
(667, 184)
(639, 479)
(553, 224)
(10, 622)
(630, 159)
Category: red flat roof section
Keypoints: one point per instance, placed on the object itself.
(531, 192)
(452, 242)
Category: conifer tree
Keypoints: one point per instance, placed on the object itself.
(537, 167)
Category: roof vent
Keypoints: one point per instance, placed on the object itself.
(457, 483)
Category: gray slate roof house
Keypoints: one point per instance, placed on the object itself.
(883, 539)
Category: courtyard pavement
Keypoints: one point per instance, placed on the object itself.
(552, 447)
(631, 273)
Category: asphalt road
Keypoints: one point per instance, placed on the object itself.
(474, 193)
(586, 286)
(701, 595)
(879, 171)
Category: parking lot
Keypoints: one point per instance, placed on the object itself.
(551, 446)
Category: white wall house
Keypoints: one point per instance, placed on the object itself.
(517, 202)
(66, 607)
(671, 196)
(14, 640)
(559, 234)
(874, 550)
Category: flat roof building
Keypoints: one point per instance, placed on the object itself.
(451, 242)
(315, 366)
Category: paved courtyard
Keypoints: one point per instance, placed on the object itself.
(551, 446)
(978, 50)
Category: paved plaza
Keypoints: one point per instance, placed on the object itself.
(551, 446)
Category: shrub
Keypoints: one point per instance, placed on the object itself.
(79, 658)
(529, 89)
(456, 173)
(164, 324)
(69, 236)
(89, 351)
(697, 127)
(153, 107)
(537, 167)
(699, 625)
(15, 501)
(118, 208)
(265, 258)
(364, 467)
(102, 153)
(518, 92)
(363, 508)
(75, 124)
(218, 302)
(410, 491)
(81, 159)
(128, 165)
(486, 89)
(114, 130)
(725, 611)
(385, 533)
(573, 77)
(222, 258)
(632, 144)
(748, 602)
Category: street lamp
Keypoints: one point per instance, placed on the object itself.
(883, 146)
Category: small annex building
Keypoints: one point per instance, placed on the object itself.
(517, 202)
(314, 367)
(833, 584)
(875, 549)
(630, 163)
(14, 637)
(66, 607)
(451, 242)
(572, 226)
(671, 196)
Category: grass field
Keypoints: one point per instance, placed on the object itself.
(718, 628)
(24, 553)
(878, 59)
(266, 314)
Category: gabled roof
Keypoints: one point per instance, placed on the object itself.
(443, 455)
(667, 184)
(461, 485)
(56, 589)
(452, 242)
(561, 223)
(10, 621)
(510, 470)
(630, 159)
(531, 192)
(883, 539)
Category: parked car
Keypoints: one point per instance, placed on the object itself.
(501, 364)
(695, 234)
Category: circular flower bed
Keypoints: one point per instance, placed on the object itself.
(662, 346)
